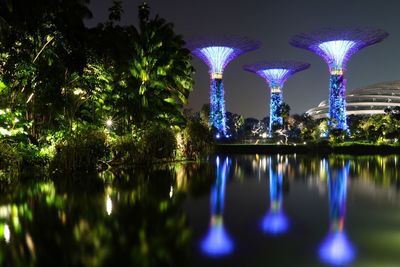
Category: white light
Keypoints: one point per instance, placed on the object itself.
(7, 233)
(217, 57)
(264, 135)
(171, 192)
(109, 123)
(305, 143)
(337, 52)
(108, 205)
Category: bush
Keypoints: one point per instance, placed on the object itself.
(158, 142)
(196, 140)
(126, 150)
(80, 152)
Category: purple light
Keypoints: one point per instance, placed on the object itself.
(337, 249)
(275, 77)
(276, 73)
(217, 57)
(217, 52)
(217, 242)
(275, 223)
(336, 46)
(337, 53)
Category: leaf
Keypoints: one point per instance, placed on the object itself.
(170, 100)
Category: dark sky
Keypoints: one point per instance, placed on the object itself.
(273, 23)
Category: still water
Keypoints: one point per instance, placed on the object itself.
(254, 210)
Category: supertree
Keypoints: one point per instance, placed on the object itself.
(217, 52)
(336, 248)
(276, 73)
(217, 242)
(336, 46)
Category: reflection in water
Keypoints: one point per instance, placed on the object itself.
(275, 221)
(336, 249)
(217, 241)
(108, 205)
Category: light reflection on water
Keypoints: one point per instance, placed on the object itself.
(336, 248)
(209, 214)
(275, 222)
(217, 242)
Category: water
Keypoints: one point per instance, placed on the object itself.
(228, 211)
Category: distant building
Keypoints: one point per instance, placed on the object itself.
(373, 99)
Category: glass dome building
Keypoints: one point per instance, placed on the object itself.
(373, 99)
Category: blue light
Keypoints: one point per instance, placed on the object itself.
(275, 118)
(275, 79)
(337, 249)
(275, 223)
(337, 102)
(217, 57)
(337, 52)
(217, 242)
(217, 106)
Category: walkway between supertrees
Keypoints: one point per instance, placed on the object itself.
(217, 242)
(276, 73)
(336, 248)
(336, 46)
(275, 221)
(217, 52)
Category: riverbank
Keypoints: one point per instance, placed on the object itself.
(351, 149)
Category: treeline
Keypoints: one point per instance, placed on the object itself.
(74, 96)
(369, 129)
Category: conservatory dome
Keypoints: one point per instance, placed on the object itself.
(373, 99)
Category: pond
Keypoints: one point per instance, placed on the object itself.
(250, 210)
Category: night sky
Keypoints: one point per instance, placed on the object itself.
(274, 23)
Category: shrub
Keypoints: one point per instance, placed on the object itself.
(158, 142)
(126, 150)
(196, 140)
(80, 152)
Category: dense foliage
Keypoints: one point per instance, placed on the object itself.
(66, 90)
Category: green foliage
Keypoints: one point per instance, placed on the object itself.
(126, 150)
(80, 152)
(158, 142)
(195, 140)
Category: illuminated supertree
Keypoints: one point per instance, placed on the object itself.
(337, 249)
(217, 53)
(336, 46)
(276, 73)
(275, 221)
(217, 241)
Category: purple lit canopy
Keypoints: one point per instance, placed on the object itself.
(217, 52)
(276, 72)
(337, 45)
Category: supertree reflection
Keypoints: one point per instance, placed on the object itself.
(275, 221)
(217, 242)
(336, 248)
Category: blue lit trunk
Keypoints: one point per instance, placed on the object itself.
(217, 106)
(337, 102)
(275, 118)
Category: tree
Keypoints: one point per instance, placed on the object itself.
(161, 69)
